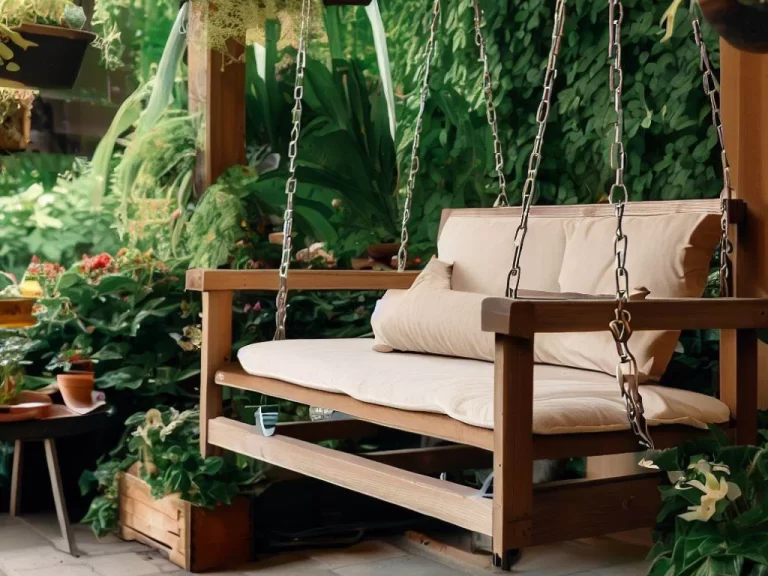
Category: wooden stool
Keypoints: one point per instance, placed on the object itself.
(48, 431)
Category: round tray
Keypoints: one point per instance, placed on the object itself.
(26, 406)
(16, 312)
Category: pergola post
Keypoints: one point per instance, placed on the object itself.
(744, 102)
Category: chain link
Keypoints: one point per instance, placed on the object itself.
(620, 326)
(498, 151)
(290, 185)
(712, 90)
(402, 254)
(542, 114)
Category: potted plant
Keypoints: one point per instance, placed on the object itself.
(42, 43)
(15, 402)
(76, 379)
(15, 118)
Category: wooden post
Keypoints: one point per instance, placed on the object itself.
(216, 89)
(217, 349)
(744, 102)
(512, 447)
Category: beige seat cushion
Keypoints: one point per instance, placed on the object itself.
(565, 400)
(668, 254)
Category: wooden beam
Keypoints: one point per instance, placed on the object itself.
(217, 90)
(424, 423)
(584, 508)
(525, 317)
(217, 349)
(213, 280)
(744, 85)
(443, 500)
(513, 444)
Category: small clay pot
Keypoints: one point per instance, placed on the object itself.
(742, 24)
(76, 388)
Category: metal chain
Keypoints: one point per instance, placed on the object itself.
(712, 90)
(498, 152)
(542, 114)
(290, 185)
(620, 327)
(402, 254)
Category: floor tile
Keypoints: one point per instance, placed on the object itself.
(286, 565)
(16, 561)
(65, 570)
(133, 564)
(17, 536)
(368, 551)
(410, 565)
(631, 569)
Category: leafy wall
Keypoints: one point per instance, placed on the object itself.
(671, 148)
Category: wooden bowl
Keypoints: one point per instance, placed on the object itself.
(16, 312)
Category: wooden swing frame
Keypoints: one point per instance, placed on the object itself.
(520, 513)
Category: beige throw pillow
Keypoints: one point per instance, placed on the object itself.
(431, 318)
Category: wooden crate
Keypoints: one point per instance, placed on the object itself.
(195, 539)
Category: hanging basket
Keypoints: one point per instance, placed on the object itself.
(52, 63)
(15, 131)
(742, 23)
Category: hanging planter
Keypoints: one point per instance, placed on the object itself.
(742, 23)
(41, 56)
(15, 119)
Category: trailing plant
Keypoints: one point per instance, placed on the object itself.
(166, 445)
(714, 515)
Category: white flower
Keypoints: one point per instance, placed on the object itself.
(701, 513)
(647, 464)
(675, 477)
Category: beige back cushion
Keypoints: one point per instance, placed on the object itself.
(668, 254)
(481, 243)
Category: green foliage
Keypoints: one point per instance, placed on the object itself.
(53, 219)
(714, 515)
(671, 147)
(167, 444)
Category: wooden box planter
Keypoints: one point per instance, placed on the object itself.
(195, 539)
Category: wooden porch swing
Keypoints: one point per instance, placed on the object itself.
(519, 513)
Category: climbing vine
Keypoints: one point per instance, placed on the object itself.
(671, 147)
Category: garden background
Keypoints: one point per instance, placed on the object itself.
(134, 210)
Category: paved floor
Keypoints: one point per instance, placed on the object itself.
(31, 548)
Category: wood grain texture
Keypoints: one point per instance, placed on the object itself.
(428, 424)
(513, 444)
(217, 349)
(215, 280)
(526, 317)
(744, 103)
(584, 508)
(650, 208)
(444, 500)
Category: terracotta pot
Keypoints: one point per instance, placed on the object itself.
(53, 63)
(76, 388)
(742, 23)
(15, 131)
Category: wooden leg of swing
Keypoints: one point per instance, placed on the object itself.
(217, 348)
(513, 449)
(739, 382)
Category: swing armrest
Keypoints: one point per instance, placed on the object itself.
(203, 280)
(524, 318)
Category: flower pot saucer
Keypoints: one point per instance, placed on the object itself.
(26, 406)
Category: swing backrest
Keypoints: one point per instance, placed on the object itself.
(570, 249)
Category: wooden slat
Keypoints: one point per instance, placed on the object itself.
(584, 508)
(148, 529)
(217, 348)
(513, 444)
(149, 514)
(202, 280)
(526, 317)
(427, 424)
(705, 206)
(133, 487)
(444, 500)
